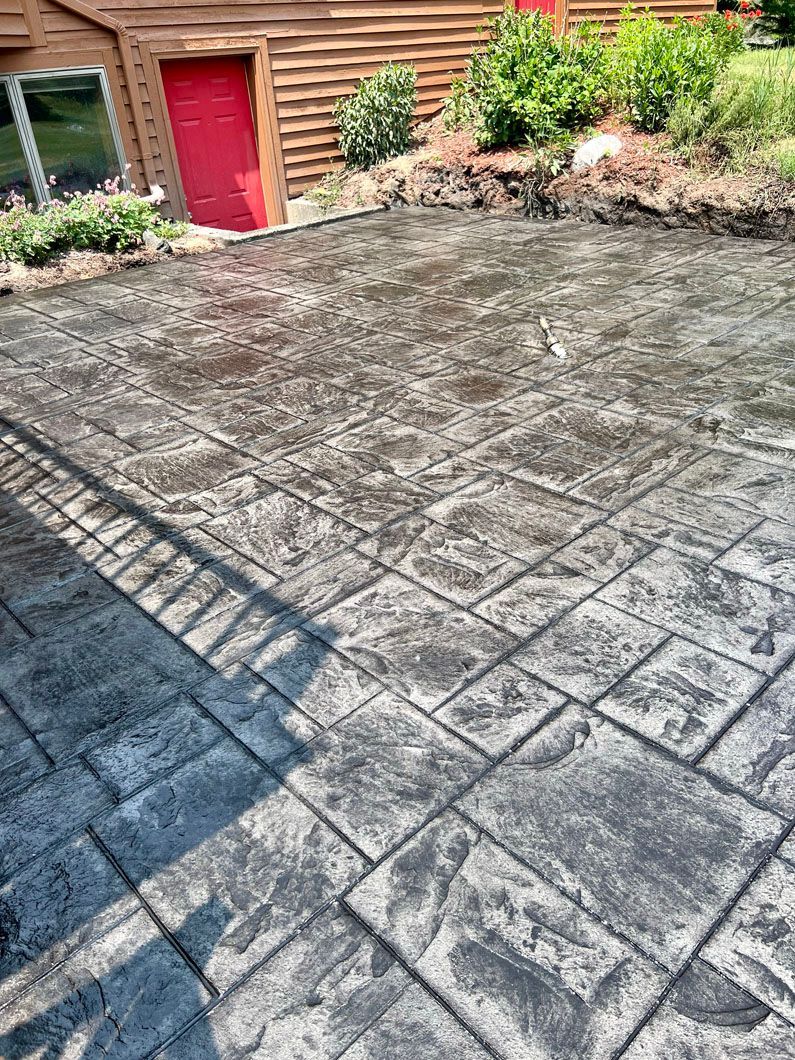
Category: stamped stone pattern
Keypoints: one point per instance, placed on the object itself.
(375, 685)
(561, 982)
(708, 1017)
(682, 696)
(754, 944)
(681, 845)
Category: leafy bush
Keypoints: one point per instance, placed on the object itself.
(374, 122)
(529, 85)
(657, 65)
(107, 219)
(780, 16)
(727, 29)
(459, 108)
(744, 118)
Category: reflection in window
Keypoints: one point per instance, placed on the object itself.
(72, 131)
(14, 175)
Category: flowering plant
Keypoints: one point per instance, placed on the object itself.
(106, 219)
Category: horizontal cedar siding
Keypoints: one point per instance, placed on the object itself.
(318, 51)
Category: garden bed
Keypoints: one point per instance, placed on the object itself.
(644, 184)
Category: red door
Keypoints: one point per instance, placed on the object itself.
(210, 111)
(546, 7)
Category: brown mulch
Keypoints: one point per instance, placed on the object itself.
(86, 264)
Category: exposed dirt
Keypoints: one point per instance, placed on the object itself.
(86, 264)
(644, 184)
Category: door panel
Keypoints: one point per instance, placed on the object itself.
(210, 112)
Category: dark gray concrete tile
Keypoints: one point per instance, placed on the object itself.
(282, 533)
(756, 754)
(511, 448)
(375, 499)
(418, 645)
(754, 944)
(259, 716)
(41, 553)
(379, 773)
(82, 680)
(231, 868)
(470, 386)
(21, 759)
(124, 994)
(311, 674)
(587, 650)
(309, 1002)
(450, 563)
(766, 554)
(682, 696)
(499, 709)
(65, 603)
(515, 517)
(449, 475)
(47, 811)
(708, 1017)
(596, 427)
(718, 609)
(533, 600)
(153, 746)
(532, 973)
(680, 845)
(53, 907)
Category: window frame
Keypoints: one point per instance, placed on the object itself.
(13, 85)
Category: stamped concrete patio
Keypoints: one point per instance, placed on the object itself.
(376, 685)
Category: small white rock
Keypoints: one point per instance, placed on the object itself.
(594, 150)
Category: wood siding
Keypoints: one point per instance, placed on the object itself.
(608, 13)
(308, 54)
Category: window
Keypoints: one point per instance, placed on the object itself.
(57, 124)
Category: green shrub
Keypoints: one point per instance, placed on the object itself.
(109, 220)
(459, 108)
(743, 118)
(530, 85)
(375, 121)
(727, 29)
(656, 65)
(780, 16)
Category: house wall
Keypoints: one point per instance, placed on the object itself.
(316, 53)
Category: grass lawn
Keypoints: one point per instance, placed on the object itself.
(763, 61)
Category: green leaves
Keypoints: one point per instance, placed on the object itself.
(375, 121)
(94, 221)
(529, 85)
(656, 65)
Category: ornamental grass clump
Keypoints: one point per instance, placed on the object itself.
(106, 219)
(375, 122)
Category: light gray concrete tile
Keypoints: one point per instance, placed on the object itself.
(515, 517)
(309, 1002)
(378, 774)
(707, 1017)
(450, 563)
(681, 696)
(305, 669)
(499, 709)
(588, 804)
(755, 944)
(375, 499)
(718, 609)
(602, 553)
(527, 969)
(536, 598)
(756, 754)
(766, 554)
(587, 650)
(418, 645)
